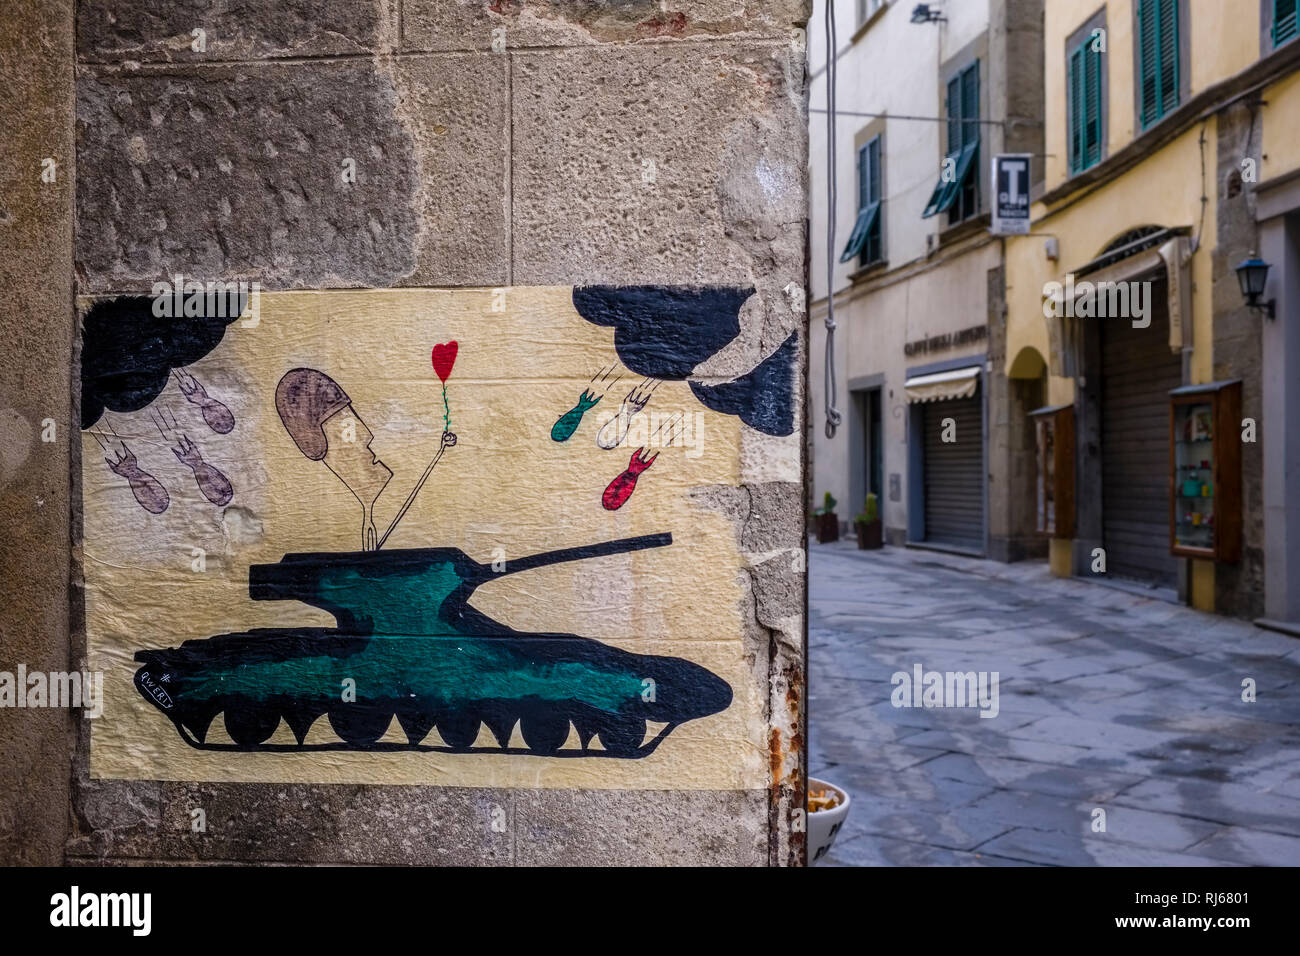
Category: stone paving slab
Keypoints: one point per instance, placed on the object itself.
(871, 850)
(1222, 803)
(960, 720)
(1026, 775)
(917, 823)
(1103, 686)
(1265, 766)
(1107, 698)
(1094, 733)
(1066, 668)
(1252, 847)
(1002, 746)
(1032, 846)
(1073, 820)
(833, 752)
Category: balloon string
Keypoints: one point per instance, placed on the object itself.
(446, 414)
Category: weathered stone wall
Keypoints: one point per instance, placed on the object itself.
(36, 276)
(1239, 587)
(1015, 78)
(495, 144)
(1012, 443)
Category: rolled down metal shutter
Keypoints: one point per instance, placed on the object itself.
(954, 474)
(1138, 370)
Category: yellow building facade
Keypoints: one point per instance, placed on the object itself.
(1172, 154)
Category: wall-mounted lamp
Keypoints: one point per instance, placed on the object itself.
(1252, 274)
(922, 13)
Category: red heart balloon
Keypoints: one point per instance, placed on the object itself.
(444, 357)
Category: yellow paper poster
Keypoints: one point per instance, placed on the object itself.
(452, 537)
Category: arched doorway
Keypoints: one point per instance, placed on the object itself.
(1137, 372)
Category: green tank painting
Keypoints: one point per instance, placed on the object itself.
(292, 560)
(409, 646)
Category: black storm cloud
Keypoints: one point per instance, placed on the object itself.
(666, 332)
(127, 353)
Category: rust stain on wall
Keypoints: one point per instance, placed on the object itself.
(776, 759)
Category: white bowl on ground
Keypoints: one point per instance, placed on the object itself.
(824, 825)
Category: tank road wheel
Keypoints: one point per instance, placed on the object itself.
(360, 725)
(459, 730)
(621, 735)
(251, 724)
(544, 731)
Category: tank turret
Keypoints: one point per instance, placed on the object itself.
(408, 645)
(409, 592)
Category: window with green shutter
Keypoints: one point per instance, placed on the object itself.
(1085, 106)
(866, 241)
(957, 191)
(1284, 21)
(1158, 67)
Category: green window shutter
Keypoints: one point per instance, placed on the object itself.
(970, 103)
(1158, 65)
(964, 164)
(1092, 107)
(864, 241)
(1284, 21)
(873, 248)
(954, 115)
(873, 164)
(864, 187)
(935, 204)
(1148, 61)
(963, 103)
(942, 196)
(1087, 111)
(1076, 110)
(1169, 66)
(966, 198)
(861, 229)
(946, 193)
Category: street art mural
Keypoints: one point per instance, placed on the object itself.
(296, 570)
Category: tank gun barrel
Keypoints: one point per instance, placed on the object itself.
(358, 587)
(581, 553)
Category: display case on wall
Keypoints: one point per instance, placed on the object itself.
(1205, 476)
(1054, 429)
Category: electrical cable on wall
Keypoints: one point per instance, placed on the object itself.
(833, 416)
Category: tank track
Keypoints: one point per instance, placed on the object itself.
(644, 750)
(545, 728)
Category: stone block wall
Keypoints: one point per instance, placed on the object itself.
(494, 144)
(1239, 587)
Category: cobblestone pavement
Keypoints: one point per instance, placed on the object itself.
(1107, 700)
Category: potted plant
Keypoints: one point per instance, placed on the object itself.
(828, 522)
(868, 525)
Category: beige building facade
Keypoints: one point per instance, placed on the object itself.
(1172, 158)
(931, 425)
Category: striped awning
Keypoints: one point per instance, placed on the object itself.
(938, 386)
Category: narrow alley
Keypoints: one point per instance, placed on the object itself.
(1108, 701)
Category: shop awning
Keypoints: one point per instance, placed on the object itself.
(957, 383)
